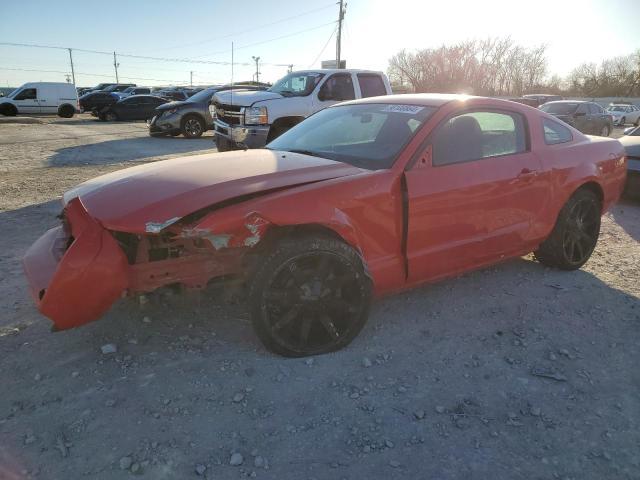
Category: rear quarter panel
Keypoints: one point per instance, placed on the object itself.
(568, 166)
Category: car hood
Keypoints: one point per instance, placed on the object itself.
(150, 197)
(245, 98)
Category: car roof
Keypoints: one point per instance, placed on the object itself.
(426, 99)
(337, 70)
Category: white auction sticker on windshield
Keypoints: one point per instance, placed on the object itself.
(410, 109)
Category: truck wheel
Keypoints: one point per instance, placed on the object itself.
(192, 126)
(575, 234)
(309, 296)
(110, 116)
(8, 110)
(224, 145)
(66, 111)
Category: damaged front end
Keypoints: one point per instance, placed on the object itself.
(78, 270)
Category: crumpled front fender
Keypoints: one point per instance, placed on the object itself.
(77, 285)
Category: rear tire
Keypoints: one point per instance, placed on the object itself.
(575, 234)
(309, 295)
(66, 111)
(192, 126)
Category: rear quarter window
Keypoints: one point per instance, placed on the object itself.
(554, 133)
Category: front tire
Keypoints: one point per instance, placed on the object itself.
(575, 234)
(224, 144)
(192, 126)
(111, 116)
(8, 110)
(310, 295)
(605, 131)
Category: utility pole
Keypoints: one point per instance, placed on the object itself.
(191, 78)
(290, 69)
(343, 8)
(116, 65)
(73, 73)
(257, 59)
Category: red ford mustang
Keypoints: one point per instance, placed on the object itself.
(361, 199)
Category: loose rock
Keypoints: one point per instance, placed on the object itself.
(109, 348)
(236, 459)
(125, 463)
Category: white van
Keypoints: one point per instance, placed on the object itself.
(41, 97)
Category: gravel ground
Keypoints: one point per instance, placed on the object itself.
(511, 372)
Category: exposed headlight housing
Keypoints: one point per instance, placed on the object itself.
(256, 116)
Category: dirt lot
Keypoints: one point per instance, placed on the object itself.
(512, 372)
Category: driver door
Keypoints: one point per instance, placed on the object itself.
(27, 101)
(473, 194)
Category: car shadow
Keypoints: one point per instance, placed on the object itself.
(136, 149)
(627, 214)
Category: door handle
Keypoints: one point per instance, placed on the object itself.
(527, 174)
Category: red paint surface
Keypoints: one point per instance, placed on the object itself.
(458, 217)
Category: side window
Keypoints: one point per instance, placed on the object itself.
(595, 109)
(477, 135)
(337, 87)
(582, 109)
(371, 85)
(555, 133)
(27, 94)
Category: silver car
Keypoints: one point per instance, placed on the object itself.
(190, 117)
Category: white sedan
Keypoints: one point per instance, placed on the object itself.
(624, 113)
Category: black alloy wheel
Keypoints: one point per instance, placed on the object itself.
(308, 301)
(575, 234)
(192, 127)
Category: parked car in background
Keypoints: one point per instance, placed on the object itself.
(134, 91)
(541, 98)
(631, 143)
(118, 87)
(588, 117)
(624, 113)
(190, 117)
(41, 97)
(177, 95)
(94, 101)
(251, 119)
(361, 199)
(99, 87)
(135, 107)
(526, 101)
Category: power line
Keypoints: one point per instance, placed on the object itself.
(323, 48)
(267, 41)
(93, 74)
(209, 40)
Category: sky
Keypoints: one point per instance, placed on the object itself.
(283, 32)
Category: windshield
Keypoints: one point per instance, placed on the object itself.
(617, 109)
(13, 94)
(297, 84)
(559, 108)
(203, 95)
(367, 135)
(128, 90)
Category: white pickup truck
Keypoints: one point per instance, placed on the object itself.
(251, 119)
